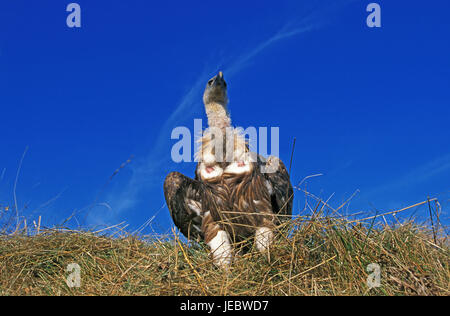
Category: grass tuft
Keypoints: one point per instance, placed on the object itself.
(320, 255)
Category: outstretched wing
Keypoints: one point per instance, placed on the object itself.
(279, 186)
(183, 197)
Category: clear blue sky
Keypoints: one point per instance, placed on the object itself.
(370, 107)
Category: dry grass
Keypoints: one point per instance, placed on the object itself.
(320, 255)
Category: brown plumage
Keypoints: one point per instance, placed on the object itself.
(230, 198)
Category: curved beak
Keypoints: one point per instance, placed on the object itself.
(219, 79)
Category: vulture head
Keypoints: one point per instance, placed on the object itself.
(216, 90)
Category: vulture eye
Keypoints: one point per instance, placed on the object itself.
(210, 82)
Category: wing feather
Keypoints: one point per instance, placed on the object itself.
(183, 198)
(279, 186)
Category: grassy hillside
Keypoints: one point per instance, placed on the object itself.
(314, 256)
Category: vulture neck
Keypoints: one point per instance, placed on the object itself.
(218, 115)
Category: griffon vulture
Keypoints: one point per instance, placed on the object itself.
(236, 194)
